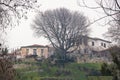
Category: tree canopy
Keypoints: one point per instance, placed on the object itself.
(63, 28)
(12, 10)
(112, 10)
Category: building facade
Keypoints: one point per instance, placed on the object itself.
(39, 50)
(98, 44)
(93, 50)
(89, 48)
(89, 45)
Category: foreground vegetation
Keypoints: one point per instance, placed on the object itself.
(34, 70)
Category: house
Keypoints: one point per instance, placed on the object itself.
(89, 48)
(39, 50)
(93, 50)
(90, 45)
(98, 44)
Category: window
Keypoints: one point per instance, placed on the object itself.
(27, 51)
(34, 52)
(42, 51)
(104, 45)
(101, 44)
(93, 44)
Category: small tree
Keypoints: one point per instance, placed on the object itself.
(106, 69)
(115, 52)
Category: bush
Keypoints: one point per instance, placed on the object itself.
(105, 70)
(115, 52)
(6, 70)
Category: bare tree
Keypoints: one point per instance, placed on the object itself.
(62, 28)
(114, 30)
(112, 9)
(12, 10)
(7, 72)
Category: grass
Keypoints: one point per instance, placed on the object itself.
(99, 78)
(71, 71)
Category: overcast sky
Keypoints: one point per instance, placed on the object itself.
(22, 35)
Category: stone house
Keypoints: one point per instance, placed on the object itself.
(91, 45)
(92, 50)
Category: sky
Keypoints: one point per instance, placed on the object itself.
(23, 35)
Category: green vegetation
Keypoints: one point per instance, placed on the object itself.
(99, 78)
(106, 69)
(115, 52)
(71, 71)
(114, 68)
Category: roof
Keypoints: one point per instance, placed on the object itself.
(99, 39)
(95, 38)
(34, 45)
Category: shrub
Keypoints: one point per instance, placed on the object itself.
(115, 52)
(105, 70)
(6, 70)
